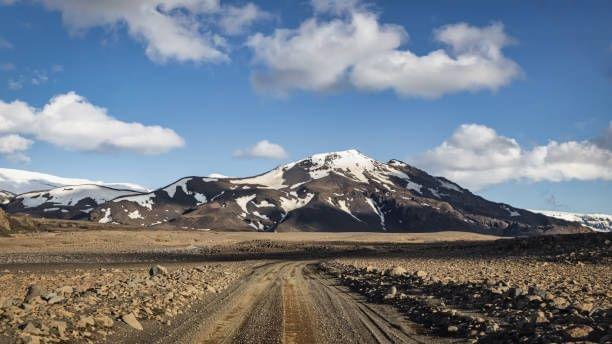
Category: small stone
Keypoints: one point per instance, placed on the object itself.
(131, 320)
(371, 269)
(516, 292)
(31, 328)
(60, 326)
(584, 307)
(65, 290)
(55, 299)
(396, 271)
(492, 327)
(30, 339)
(452, 329)
(33, 291)
(84, 321)
(49, 296)
(421, 273)
(560, 303)
(157, 270)
(540, 318)
(579, 331)
(392, 293)
(104, 320)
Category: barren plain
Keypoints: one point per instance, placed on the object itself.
(112, 284)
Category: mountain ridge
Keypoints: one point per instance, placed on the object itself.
(335, 191)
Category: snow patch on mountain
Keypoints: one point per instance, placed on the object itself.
(71, 195)
(378, 212)
(243, 201)
(289, 204)
(21, 181)
(597, 222)
(144, 200)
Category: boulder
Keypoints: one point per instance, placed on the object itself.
(156, 270)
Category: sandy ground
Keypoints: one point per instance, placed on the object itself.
(109, 241)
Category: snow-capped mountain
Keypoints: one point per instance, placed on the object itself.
(66, 202)
(597, 222)
(338, 191)
(20, 181)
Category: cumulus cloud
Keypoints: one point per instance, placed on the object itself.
(263, 149)
(70, 121)
(12, 147)
(184, 30)
(354, 47)
(476, 156)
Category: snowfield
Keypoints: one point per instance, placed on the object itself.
(21, 181)
(597, 222)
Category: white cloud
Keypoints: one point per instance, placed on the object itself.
(180, 30)
(474, 62)
(12, 148)
(476, 156)
(318, 55)
(70, 121)
(355, 47)
(237, 19)
(262, 149)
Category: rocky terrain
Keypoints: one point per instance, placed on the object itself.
(537, 290)
(76, 284)
(330, 192)
(85, 305)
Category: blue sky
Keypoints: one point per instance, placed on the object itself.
(554, 84)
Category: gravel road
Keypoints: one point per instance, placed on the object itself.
(288, 302)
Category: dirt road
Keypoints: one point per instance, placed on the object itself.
(288, 302)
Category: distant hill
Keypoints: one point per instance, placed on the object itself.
(20, 181)
(598, 222)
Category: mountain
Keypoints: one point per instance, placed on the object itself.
(20, 181)
(6, 196)
(597, 222)
(67, 202)
(338, 191)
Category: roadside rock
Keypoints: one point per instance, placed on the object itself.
(396, 271)
(33, 291)
(579, 331)
(131, 320)
(157, 270)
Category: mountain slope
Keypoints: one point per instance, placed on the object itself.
(20, 181)
(339, 191)
(597, 222)
(67, 202)
(6, 196)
